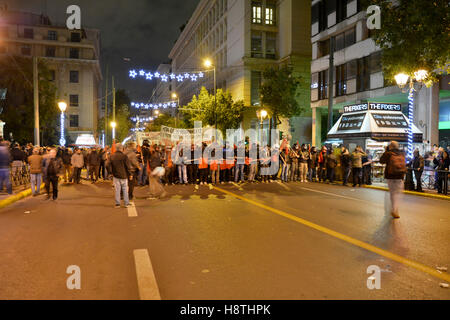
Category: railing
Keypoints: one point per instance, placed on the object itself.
(21, 176)
(429, 178)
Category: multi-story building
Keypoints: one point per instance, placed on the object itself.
(72, 56)
(243, 37)
(358, 75)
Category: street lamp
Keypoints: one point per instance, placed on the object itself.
(63, 107)
(175, 96)
(209, 64)
(113, 126)
(402, 80)
(262, 114)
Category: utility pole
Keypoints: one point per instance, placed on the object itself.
(36, 101)
(331, 85)
(106, 107)
(114, 107)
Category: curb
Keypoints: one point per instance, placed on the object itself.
(426, 195)
(14, 198)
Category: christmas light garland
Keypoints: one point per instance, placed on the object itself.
(146, 106)
(147, 75)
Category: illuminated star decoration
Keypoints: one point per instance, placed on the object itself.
(164, 78)
(157, 74)
(149, 76)
(187, 75)
(200, 75)
(180, 78)
(194, 77)
(172, 76)
(142, 73)
(133, 74)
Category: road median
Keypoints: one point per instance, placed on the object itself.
(16, 197)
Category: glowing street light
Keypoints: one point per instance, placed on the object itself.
(63, 107)
(402, 80)
(113, 126)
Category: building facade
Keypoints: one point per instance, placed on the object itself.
(358, 75)
(242, 38)
(72, 56)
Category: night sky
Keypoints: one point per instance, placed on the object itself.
(141, 30)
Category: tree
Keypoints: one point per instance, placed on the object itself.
(204, 108)
(414, 34)
(165, 119)
(18, 114)
(279, 92)
(123, 114)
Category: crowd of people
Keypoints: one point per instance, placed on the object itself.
(131, 165)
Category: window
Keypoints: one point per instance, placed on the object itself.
(340, 75)
(257, 45)
(28, 33)
(323, 17)
(73, 77)
(315, 13)
(324, 48)
(352, 69)
(75, 37)
(255, 87)
(350, 37)
(341, 10)
(52, 75)
(363, 75)
(270, 14)
(50, 51)
(339, 42)
(375, 62)
(74, 100)
(74, 53)
(323, 84)
(26, 50)
(73, 119)
(52, 35)
(256, 12)
(271, 45)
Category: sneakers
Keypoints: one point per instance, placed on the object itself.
(117, 206)
(127, 206)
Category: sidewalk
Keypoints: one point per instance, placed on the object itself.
(425, 193)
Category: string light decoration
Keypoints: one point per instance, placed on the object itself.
(410, 154)
(148, 75)
(147, 106)
(138, 119)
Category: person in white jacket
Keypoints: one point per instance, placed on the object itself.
(77, 162)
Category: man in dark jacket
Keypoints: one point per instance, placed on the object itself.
(18, 159)
(394, 174)
(135, 166)
(119, 166)
(52, 168)
(5, 161)
(94, 164)
(67, 159)
(417, 164)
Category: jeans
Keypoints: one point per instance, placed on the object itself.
(285, 172)
(36, 179)
(346, 173)
(121, 185)
(418, 176)
(239, 169)
(330, 173)
(131, 185)
(294, 169)
(395, 190)
(144, 175)
(252, 173)
(93, 172)
(141, 174)
(76, 175)
(4, 179)
(215, 175)
(182, 173)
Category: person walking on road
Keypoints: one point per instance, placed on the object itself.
(395, 162)
(94, 161)
(77, 162)
(66, 159)
(35, 162)
(120, 167)
(135, 166)
(52, 168)
(346, 163)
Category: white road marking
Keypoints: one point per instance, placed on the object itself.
(237, 186)
(335, 195)
(284, 186)
(148, 288)
(132, 212)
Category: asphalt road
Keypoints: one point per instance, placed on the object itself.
(255, 241)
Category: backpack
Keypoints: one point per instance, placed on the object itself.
(397, 164)
(53, 168)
